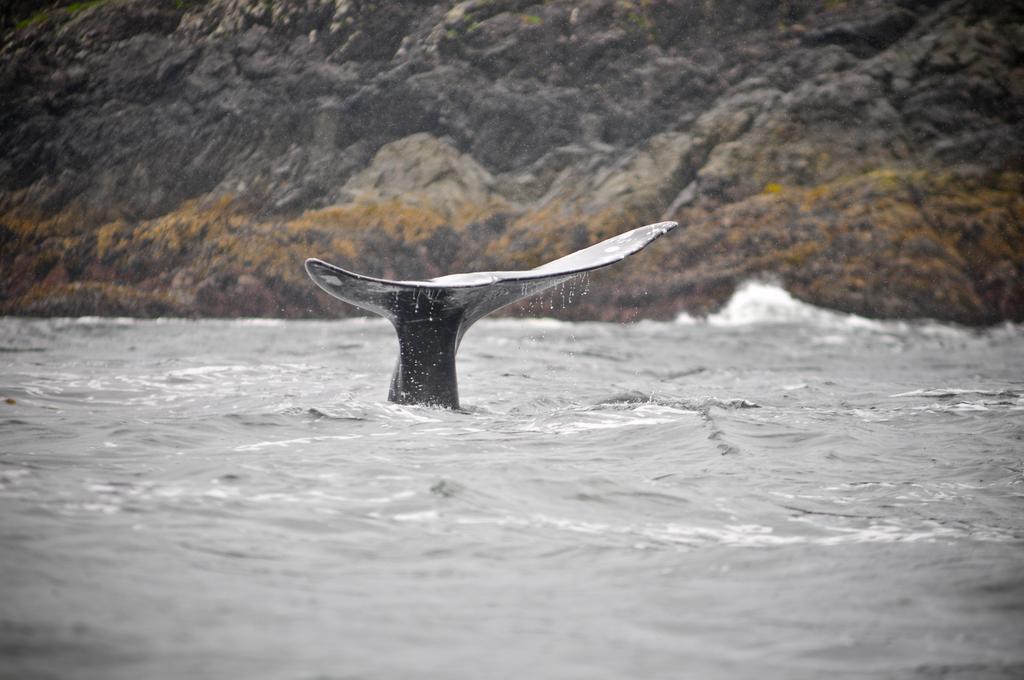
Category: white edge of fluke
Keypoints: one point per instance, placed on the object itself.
(599, 255)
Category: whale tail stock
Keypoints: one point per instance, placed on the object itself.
(431, 316)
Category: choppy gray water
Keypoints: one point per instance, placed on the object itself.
(780, 492)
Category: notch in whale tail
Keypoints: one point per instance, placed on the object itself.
(431, 316)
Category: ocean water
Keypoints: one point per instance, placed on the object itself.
(775, 492)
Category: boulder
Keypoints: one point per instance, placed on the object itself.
(422, 170)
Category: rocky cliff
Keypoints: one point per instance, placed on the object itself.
(183, 157)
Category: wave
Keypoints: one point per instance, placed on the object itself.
(758, 302)
(948, 392)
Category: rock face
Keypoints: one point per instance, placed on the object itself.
(422, 170)
(184, 157)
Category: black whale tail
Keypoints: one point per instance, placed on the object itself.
(431, 316)
(430, 321)
(429, 332)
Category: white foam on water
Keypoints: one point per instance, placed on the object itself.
(542, 322)
(960, 400)
(259, 321)
(955, 391)
(685, 319)
(210, 370)
(756, 302)
(742, 535)
(101, 320)
(419, 516)
(286, 443)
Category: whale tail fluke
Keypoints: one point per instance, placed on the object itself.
(431, 316)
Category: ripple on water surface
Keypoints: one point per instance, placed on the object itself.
(751, 496)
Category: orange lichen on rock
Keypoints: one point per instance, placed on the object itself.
(888, 243)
